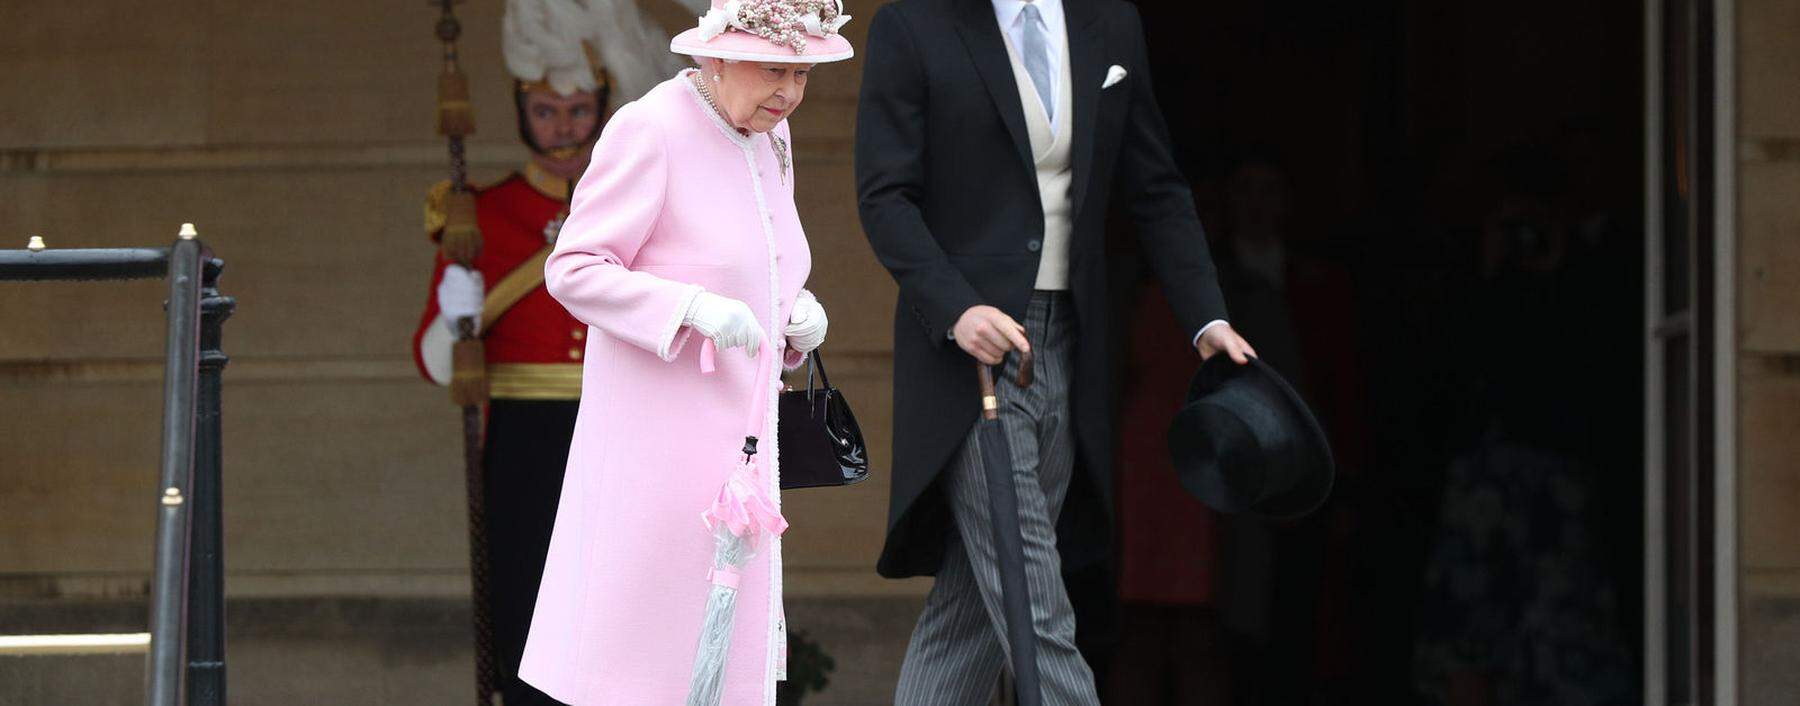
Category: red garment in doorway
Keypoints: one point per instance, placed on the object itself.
(1167, 539)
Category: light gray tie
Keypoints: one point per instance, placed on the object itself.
(1037, 57)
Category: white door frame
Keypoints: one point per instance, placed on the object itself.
(1656, 625)
(1723, 372)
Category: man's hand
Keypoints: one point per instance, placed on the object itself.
(1222, 338)
(989, 334)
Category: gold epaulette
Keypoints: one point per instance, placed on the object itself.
(435, 210)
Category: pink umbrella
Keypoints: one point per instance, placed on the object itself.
(739, 517)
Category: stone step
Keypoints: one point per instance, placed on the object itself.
(385, 652)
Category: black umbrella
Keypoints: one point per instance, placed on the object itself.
(1009, 545)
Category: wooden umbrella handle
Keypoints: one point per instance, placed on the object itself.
(990, 402)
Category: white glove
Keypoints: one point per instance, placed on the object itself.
(459, 295)
(728, 322)
(807, 324)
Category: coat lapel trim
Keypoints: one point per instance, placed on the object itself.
(776, 638)
(1086, 73)
(980, 32)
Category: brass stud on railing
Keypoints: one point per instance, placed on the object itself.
(188, 232)
(36, 244)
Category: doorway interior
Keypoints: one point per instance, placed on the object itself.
(1458, 194)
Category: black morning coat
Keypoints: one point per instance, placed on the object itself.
(949, 199)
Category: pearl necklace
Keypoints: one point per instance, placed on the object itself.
(781, 151)
(706, 93)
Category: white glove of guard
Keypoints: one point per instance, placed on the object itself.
(459, 295)
(728, 322)
(806, 325)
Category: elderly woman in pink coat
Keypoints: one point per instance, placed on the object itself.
(682, 240)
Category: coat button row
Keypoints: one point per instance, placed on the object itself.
(1034, 245)
(578, 334)
(574, 354)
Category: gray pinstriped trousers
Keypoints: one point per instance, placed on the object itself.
(959, 646)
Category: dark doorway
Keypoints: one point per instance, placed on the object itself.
(1429, 215)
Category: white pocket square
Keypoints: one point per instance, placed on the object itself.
(1113, 76)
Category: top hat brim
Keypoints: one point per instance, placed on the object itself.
(1197, 465)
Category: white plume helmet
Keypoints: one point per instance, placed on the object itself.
(635, 48)
(543, 41)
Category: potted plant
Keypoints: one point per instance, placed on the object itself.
(809, 667)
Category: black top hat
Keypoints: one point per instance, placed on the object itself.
(1246, 442)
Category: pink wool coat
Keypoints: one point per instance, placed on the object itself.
(675, 202)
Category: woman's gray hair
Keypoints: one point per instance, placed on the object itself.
(700, 61)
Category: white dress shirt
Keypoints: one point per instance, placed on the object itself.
(1011, 15)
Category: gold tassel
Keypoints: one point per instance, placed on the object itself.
(461, 242)
(468, 373)
(455, 117)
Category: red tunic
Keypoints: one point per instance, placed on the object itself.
(513, 216)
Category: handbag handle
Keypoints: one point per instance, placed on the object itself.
(815, 362)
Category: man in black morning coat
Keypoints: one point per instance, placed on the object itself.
(992, 138)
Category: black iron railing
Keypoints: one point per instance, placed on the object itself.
(187, 602)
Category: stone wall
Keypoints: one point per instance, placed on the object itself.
(298, 138)
(1768, 266)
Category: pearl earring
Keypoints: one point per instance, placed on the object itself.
(715, 78)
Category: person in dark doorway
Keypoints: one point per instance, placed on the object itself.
(1279, 600)
(1169, 647)
(992, 137)
(1519, 606)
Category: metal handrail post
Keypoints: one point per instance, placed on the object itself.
(168, 597)
(84, 263)
(187, 585)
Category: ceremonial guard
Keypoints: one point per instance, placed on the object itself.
(530, 354)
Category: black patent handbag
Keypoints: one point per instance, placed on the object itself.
(821, 446)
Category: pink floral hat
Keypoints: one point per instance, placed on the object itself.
(776, 31)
